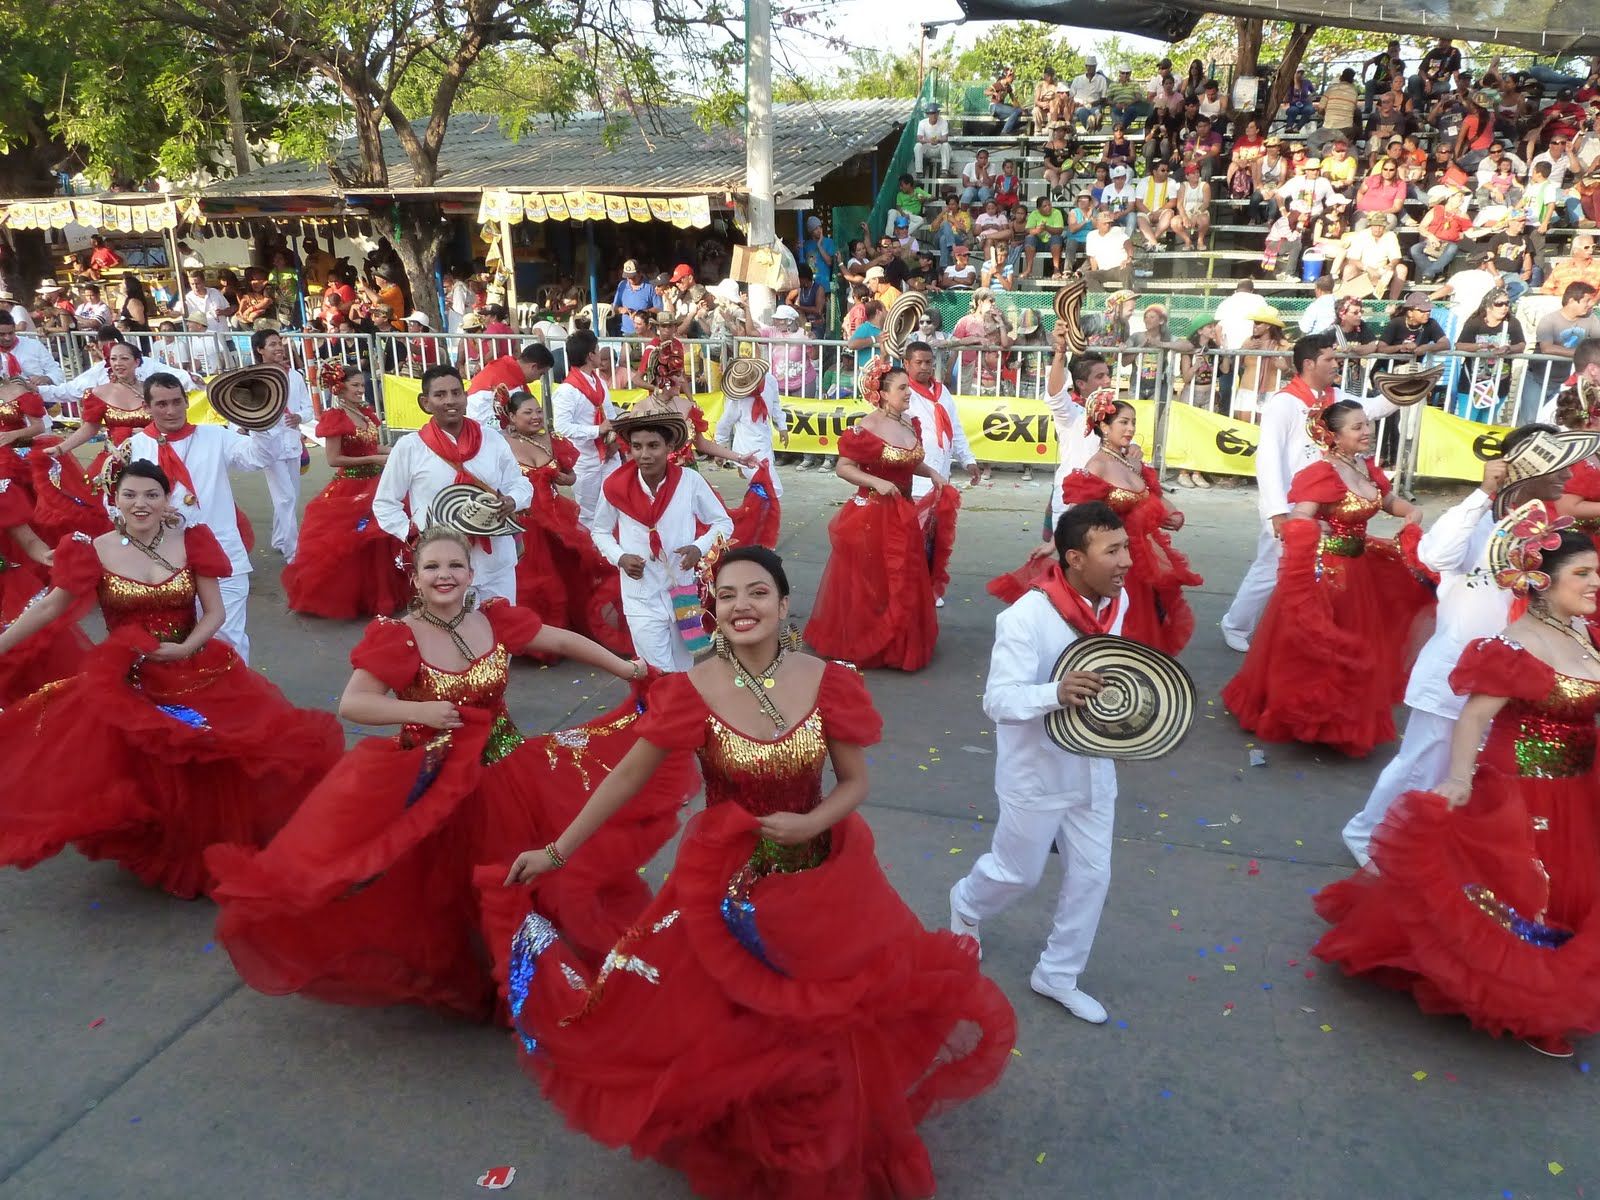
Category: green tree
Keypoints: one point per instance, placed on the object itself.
(1027, 47)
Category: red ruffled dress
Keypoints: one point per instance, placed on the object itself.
(777, 1022)
(148, 762)
(1489, 910)
(757, 520)
(561, 576)
(367, 897)
(1585, 485)
(63, 502)
(52, 653)
(889, 558)
(1330, 658)
(1158, 613)
(346, 565)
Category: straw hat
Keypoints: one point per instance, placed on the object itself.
(1544, 454)
(901, 322)
(1406, 388)
(474, 322)
(1144, 710)
(1068, 304)
(1265, 314)
(671, 423)
(470, 511)
(252, 397)
(744, 377)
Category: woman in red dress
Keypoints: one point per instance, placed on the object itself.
(875, 602)
(164, 742)
(1483, 896)
(346, 565)
(777, 1022)
(560, 576)
(62, 503)
(1158, 614)
(117, 409)
(1578, 407)
(366, 896)
(53, 652)
(1330, 659)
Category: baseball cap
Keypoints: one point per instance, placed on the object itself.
(1417, 300)
(682, 271)
(1119, 172)
(902, 222)
(785, 313)
(873, 273)
(631, 267)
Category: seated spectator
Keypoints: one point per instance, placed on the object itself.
(1203, 145)
(1120, 197)
(1438, 68)
(1383, 191)
(907, 206)
(1007, 186)
(905, 245)
(1499, 177)
(961, 275)
(1153, 205)
(1441, 230)
(856, 263)
(1247, 148)
(1119, 150)
(1513, 256)
(1388, 120)
(1477, 132)
(1372, 261)
(1339, 168)
(953, 224)
(1060, 159)
(1127, 100)
(983, 339)
(1100, 182)
(933, 137)
(1308, 191)
(1320, 314)
(1285, 240)
(1191, 209)
(1088, 91)
(993, 232)
(1301, 102)
(977, 181)
(856, 313)
(1543, 202)
(1412, 333)
(810, 301)
(1489, 334)
(1467, 287)
(1107, 256)
(1213, 106)
(1561, 119)
(1003, 101)
(1044, 100)
(1329, 237)
(1046, 231)
(1080, 224)
(1271, 172)
(1581, 267)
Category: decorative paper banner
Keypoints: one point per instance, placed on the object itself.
(92, 214)
(514, 207)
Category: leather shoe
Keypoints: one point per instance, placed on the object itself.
(1079, 1003)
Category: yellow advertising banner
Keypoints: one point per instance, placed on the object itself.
(638, 208)
(1021, 431)
(617, 210)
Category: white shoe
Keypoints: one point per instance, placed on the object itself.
(1235, 642)
(962, 927)
(1079, 1003)
(938, 601)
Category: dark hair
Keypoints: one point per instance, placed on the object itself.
(138, 355)
(767, 560)
(1082, 364)
(1309, 348)
(496, 312)
(1577, 291)
(133, 288)
(1116, 411)
(5, 316)
(439, 371)
(1522, 433)
(517, 399)
(1333, 417)
(1072, 530)
(259, 339)
(537, 354)
(1586, 354)
(142, 468)
(1571, 412)
(580, 346)
(1572, 543)
(916, 348)
(161, 379)
(108, 333)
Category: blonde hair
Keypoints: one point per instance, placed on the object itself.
(439, 533)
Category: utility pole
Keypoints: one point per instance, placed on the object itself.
(758, 140)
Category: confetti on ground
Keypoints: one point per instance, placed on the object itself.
(1016, 1052)
(1040, 1159)
(1258, 758)
(1194, 979)
(497, 1178)
(1227, 1009)
(1584, 1067)
(1255, 868)
(1122, 1024)
(97, 1022)
(1555, 1168)
(955, 849)
(134, 1120)
(1419, 1076)
(1327, 1029)
(1166, 1093)
(1229, 967)
(1450, 1078)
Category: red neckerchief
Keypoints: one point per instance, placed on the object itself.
(459, 451)
(758, 406)
(169, 460)
(1072, 607)
(626, 493)
(1301, 391)
(504, 370)
(595, 393)
(13, 366)
(942, 429)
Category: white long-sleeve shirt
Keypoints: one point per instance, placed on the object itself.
(738, 429)
(1030, 770)
(574, 420)
(208, 454)
(284, 439)
(1471, 605)
(934, 456)
(616, 534)
(413, 475)
(1074, 447)
(33, 358)
(1285, 448)
(97, 376)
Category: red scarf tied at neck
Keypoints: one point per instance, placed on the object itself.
(169, 460)
(594, 392)
(1073, 608)
(13, 366)
(458, 451)
(626, 493)
(943, 429)
(1301, 391)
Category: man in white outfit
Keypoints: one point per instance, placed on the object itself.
(1067, 384)
(933, 137)
(283, 473)
(747, 422)
(944, 441)
(26, 358)
(197, 459)
(1470, 607)
(644, 524)
(1047, 795)
(583, 414)
(1284, 448)
(452, 449)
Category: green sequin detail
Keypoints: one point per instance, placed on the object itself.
(770, 858)
(1343, 544)
(363, 471)
(503, 739)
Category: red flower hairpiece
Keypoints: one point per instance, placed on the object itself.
(1316, 428)
(872, 380)
(1521, 540)
(332, 375)
(663, 361)
(1101, 406)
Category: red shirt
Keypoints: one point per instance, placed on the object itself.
(506, 370)
(103, 258)
(1446, 225)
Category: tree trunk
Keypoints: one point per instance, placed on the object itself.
(1248, 54)
(1299, 40)
(236, 133)
(420, 244)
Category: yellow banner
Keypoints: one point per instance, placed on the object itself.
(1451, 447)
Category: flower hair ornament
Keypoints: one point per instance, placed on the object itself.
(663, 361)
(332, 375)
(1101, 406)
(1516, 550)
(872, 380)
(502, 405)
(1316, 428)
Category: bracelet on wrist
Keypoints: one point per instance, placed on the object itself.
(556, 858)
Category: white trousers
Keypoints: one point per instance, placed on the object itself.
(496, 574)
(283, 485)
(654, 630)
(1421, 762)
(1255, 589)
(1015, 863)
(919, 152)
(235, 605)
(590, 473)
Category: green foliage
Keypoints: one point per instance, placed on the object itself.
(1027, 47)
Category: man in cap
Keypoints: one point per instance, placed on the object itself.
(20, 315)
(645, 523)
(1047, 795)
(1534, 464)
(933, 137)
(635, 296)
(197, 459)
(1107, 257)
(514, 372)
(1284, 447)
(884, 292)
(283, 470)
(453, 449)
(1126, 99)
(1088, 91)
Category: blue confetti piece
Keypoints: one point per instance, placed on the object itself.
(208, 948)
(1166, 1093)
(1168, 847)
(1584, 1067)
(1293, 859)
(1311, 891)
(1508, 1196)
(1200, 821)
(927, 855)
(1237, 940)
(134, 1120)
(361, 525)
(1201, 952)
(94, 904)
(1222, 950)
(1266, 987)
(1141, 808)
(1299, 774)
(1122, 1024)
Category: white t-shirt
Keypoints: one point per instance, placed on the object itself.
(962, 277)
(1089, 89)
(1119, 198)
(1156, 193)
(1108, 250)
(926, 129)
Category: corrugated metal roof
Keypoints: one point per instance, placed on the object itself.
(671, 155)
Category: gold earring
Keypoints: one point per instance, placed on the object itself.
(791, 637)
(720, 647)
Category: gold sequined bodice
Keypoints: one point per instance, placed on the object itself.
(764, 777)
(166, 609)
(1551, 738)
(1346, 535)
(877, 457)
(361, 444)
(481, 684)
(11, 416)
(122, 423)
(1122, 500)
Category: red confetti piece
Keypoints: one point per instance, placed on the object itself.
(1194, 978)
(1451, 1077)
(1294, 962)
(1311, 974)
(97, 1022)
(1255, 868)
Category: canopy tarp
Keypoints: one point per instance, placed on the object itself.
(1548, 26)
